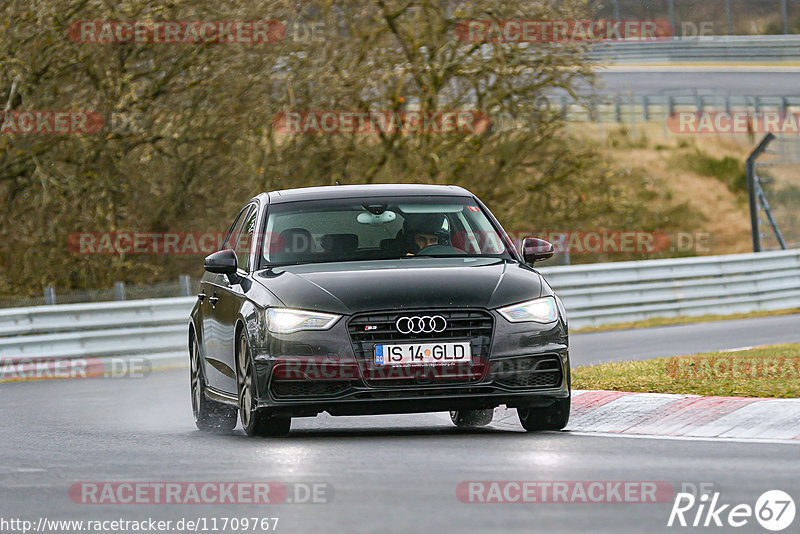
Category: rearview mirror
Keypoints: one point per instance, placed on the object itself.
(222, 262)
(535, 249)
(375, 219)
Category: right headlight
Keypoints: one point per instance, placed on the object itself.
(541, 310)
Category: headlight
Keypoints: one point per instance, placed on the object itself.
(286, 320)
(541, 310)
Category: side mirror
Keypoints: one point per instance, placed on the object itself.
(535, 249)
(222, 262)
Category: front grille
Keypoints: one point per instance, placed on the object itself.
(299, 388)
(367, 330)
(528, 372)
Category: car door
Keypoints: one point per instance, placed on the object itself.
(231, 294)
(219, 372)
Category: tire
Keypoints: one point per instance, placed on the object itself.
(209, 415)
(471, 418)
(254, 422)
(554, 417)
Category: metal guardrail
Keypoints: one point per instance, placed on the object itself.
(644, 108)
(724, 48)
(630, 291)
(156, 329)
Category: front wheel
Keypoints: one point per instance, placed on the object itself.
(471, 418)
(255, 422)
(209, 416)
(553, 417)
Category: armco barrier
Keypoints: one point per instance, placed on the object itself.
(595, 294)
(608, 293)
(708, 49)
(154, 329)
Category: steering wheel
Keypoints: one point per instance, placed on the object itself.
(435, 250)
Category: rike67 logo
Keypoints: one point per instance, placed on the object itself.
(774, 510)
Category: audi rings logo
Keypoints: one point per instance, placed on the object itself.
(421, 325)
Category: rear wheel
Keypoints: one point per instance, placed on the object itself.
(254, 421)
(209, 415)
(471, 418)
(553, 417)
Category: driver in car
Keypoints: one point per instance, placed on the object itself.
(423, 230)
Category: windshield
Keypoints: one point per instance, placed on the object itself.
(378, 228)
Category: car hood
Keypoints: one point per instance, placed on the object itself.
(352, 287)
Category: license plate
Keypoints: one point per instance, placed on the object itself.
(423, 353)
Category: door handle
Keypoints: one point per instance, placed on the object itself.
(201, 297)
(213, 300)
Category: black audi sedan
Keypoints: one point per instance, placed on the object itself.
(375, 299)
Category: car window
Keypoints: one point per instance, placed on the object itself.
(233, 240)
(245, 241)
(378, 228)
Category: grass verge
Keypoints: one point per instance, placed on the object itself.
(771, 371)
(670, 321)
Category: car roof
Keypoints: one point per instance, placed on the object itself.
(368, 190)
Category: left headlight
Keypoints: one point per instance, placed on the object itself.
(287, 320)
(542, 310)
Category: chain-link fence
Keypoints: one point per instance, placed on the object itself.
(690, 18)
(778, 172)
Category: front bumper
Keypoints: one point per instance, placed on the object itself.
(306, 373)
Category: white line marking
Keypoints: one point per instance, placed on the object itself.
(685, 438)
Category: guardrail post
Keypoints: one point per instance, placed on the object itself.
(186, 285)
(671, 5)
(728, 16)
(616, 9)
(119, 290)
(750, 167)
(49, 295)
(785, 16)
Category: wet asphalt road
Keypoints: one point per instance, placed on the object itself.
(394, 473)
